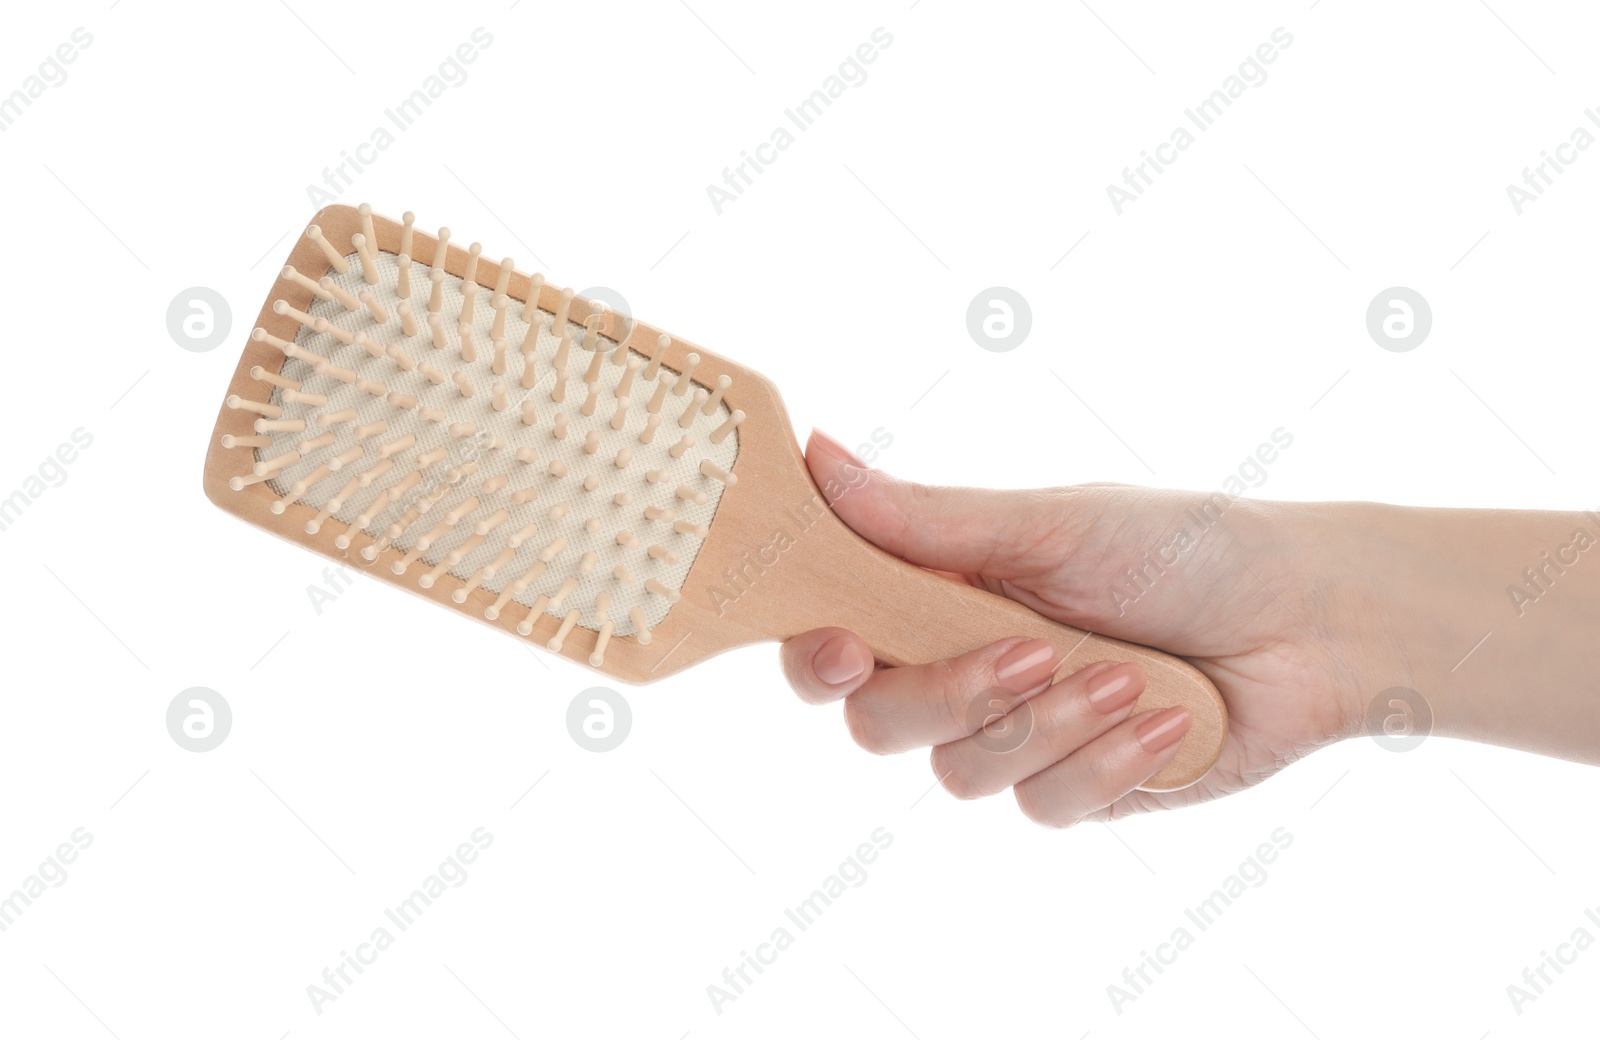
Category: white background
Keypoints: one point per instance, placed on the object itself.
(369, 740)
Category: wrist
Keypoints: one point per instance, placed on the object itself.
(1347, 554)
(1490, 616)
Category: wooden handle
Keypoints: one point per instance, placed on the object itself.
(831, 576)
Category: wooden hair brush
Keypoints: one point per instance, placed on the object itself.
(613, 493)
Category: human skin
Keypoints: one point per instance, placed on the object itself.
(1302, 614)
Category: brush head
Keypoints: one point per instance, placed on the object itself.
(482, 437)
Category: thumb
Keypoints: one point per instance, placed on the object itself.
(1002, 534)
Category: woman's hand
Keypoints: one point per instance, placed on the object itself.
(1244, 595)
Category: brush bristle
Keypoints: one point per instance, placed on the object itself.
(507, 447)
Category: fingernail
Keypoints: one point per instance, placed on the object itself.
(836, 449)
(840, 660)
(1026, 665)
(1115, 688)
(1162, 729)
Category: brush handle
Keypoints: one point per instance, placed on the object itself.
(831, 576)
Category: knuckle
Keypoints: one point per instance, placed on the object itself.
(866, 729)
(1039, 808)
(948, 689)
(1100, 776)
(953, 776)
(1059, 740)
